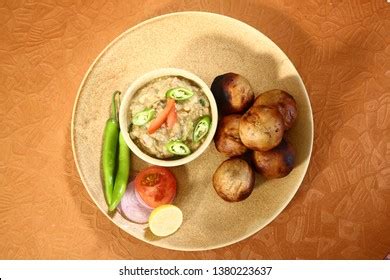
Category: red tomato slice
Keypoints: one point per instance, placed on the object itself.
(156, 186)
(172, 118)
(158, 122)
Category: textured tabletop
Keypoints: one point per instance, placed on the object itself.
(340, 48)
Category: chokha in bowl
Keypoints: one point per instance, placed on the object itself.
(170, 117)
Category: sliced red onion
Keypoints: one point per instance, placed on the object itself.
(131, 208)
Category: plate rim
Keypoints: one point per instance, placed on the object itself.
(76, 101)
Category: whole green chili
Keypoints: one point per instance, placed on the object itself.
(122, 175)
(110, 142)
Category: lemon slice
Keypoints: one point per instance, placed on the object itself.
(165, 220)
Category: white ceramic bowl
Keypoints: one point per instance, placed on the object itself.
(141, 81)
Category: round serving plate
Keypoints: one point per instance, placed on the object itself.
(208, 45)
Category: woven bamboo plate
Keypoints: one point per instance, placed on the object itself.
(207, 45)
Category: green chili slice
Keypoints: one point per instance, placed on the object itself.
(201, 128)
(143, 117)
(179, 93)
(177, 147)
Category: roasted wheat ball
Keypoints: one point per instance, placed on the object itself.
(233, 93)
(283, 101)
(227, 138)
(261, 128)
(275, 163)
(234, 180)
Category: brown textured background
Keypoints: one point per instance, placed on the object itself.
(342, 51)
